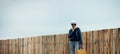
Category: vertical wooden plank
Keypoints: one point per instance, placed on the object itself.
(67, 44)
(33, 39)
(108, 36)
(2, 47)
(111, 36)
(6, 47)
(57, 43)
(107, 42)
(11, 41)
(20, 46)
(3, 43)
(9, 45)
(114, 40)
(29, 45)
(101, 36)
(117, 43)
(63, 43)
(91, 42)
(41, 45)
(88, 42)
(84, 39)
(43, 38)
(58, 46)
(25, 46)
(16, 46)
(104, 41)
(52, 44)
(95, 33)
(118, 40)
(36, 45)
(12, 46)
(46, 45)
(31, 48)
(99, 42)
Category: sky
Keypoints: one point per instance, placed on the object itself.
(28, 18)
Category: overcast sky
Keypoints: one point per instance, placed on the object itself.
(25, 18)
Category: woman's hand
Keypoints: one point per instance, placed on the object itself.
(81, 46)
(73, 29)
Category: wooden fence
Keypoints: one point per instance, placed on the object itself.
(95, 42)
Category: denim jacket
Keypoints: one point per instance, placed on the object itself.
(77, 33)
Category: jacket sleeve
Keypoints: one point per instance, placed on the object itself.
(80, 36)
(70, 33)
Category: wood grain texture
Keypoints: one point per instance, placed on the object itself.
(105, 41)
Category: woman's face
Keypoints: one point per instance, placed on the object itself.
(73, 25)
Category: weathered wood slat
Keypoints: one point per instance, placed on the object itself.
(101, 35)
(84, 39)
(111, 42)
(88, 43)
(114, 41)
(91, 42)
(95, 42)
(119, 40)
